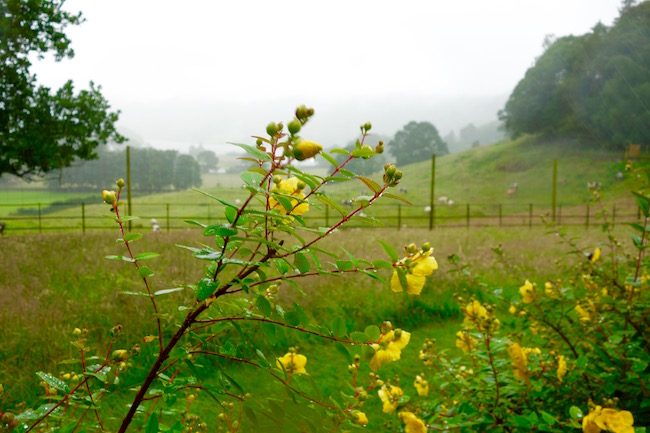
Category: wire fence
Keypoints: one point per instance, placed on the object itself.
(173, 216)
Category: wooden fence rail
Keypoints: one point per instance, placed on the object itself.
(171, 216)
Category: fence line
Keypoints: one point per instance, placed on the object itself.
(172, 216)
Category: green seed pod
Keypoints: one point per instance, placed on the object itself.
(120, 183)
(294, 126)
(272, 129)
(367, 127)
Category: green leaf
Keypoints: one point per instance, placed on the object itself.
(344, 265)
(361, 153)
(230, 213)
(281, 265)
(396, 197)
(301, 262)
(292, 318)
(390, 252)
(371, 184)
(373, 332)
(263, 305)
(252, 179)
(548, 418)
(194, 223)
(576, 413)
(219, 199)
(303, 317)
(359, 337)
(329, 159)
(129, 237)
(382, 264)
(252, 417)
(54, 382)
(219, 230)
(338, 328)
(146, 256)
(206, 287)
(145, 272)
(344, 351)
(331, 203)
(255, 152)
(152, 424)
(401, 274)
(643, 202)
(166, 291)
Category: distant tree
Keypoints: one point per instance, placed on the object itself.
(208, 160)
(187, 172)
(41, 130)
(595, 86)
(417, 141)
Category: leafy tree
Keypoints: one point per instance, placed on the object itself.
(208, 160)
(595, 86)
(417, 141)
(187, 172)
(40, 129)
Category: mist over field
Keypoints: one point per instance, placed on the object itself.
(177, 124)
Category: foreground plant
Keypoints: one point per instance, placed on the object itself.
(258, 250)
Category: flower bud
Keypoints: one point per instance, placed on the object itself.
(272, 129)
(411, 248)
(76, 332)
(148, 338)
(259, 142)
(380, 147)
(109, 196)
(7, 417)
(390, 171)
(306, 149)
(301, 185)
(426, 247)
(136, 349)
(120, 183)
(367, 127)
(277, 179)
(310, 112)
(119, 355)
(294, 126)
(301, 113)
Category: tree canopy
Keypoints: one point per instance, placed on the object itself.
(596, 86)
(415, 142)
(41, 129)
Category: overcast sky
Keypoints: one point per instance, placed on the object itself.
(148, 53)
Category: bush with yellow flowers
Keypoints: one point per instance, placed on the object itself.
(558, 354)
(235, 319)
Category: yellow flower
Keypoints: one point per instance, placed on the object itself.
(616, 421)
(477, 315)
(412, 423)
(417, 268)
(583, 314)
(589, 424)
(596, 255)
(465, 341)
(512, 309)
(293, 363)
(548, 288)
(291, 187)
(519, 361)
(306, 149)
(561, 367)
(421, 385)
(608, 419)
(527, 292)
(359, 418)
(389, 395)
(389, 347)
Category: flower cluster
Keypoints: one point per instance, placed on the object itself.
(608, 419)
(389, 346)
(411, 272)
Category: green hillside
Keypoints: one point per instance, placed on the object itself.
(479, 177)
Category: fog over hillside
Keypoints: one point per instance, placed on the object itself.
(178, 124)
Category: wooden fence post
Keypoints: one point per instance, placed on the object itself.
(467, 216)
(40, 226)
(613, 215)
(500, 215)
(83, 217)
(530, 215)
(167, 217)
(587, 219)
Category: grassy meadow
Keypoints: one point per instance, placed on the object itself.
(55, 282)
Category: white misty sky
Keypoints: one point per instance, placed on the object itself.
(152, 51)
